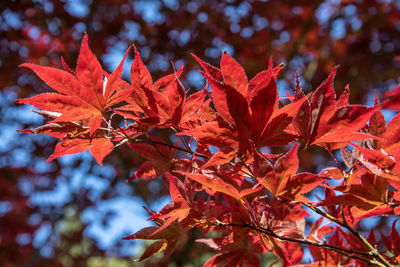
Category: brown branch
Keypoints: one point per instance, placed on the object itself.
(133, 141)
(355, 254)
(179, 148)
(372, 251)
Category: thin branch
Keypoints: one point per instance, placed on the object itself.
(156, 142)
(181, 149)
(344, 251)
(373, 251)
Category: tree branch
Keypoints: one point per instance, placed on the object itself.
(372, 251)
(354, 254)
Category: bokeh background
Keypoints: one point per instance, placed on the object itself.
(72, 212)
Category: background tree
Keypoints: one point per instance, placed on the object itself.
(309, 36)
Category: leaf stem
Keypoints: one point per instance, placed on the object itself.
(333, 157)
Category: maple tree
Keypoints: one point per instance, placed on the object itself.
(309, 36)
(244, 201)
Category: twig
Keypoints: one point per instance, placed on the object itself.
(133, 141)
(181, 149)
(344, 251)
(372, 251)
(355, 254)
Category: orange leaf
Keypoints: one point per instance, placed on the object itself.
(215, 184)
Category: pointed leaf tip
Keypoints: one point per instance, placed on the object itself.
(233, 74)
(140, 75)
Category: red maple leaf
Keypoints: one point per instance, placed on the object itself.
(159, 159)
(248, 111)
(392, 99)
(282, 180)
(392, 243)
(167, 239)
(238, 253)
(82, 96)
(328, 121)
(364, 195)
(163, 101)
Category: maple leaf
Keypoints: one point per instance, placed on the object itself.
(169, 94)
(392, 243)
(285, 219)
(170, 231)
(219, 185)
(327, 121)
(390, 134)
(290, 253)
(74, 137)
(326, 257)
(56, 129)
(196, 111)
(377, 161)
(179, 209)
(248, 110)
(163, 100)
(383, 157)
(391, 99)
(216, 184)
(380, 163)
(83, 97)
(282, 180)
(317, 232)
(168, 239)
(377, 125)
(237, 254)
(365, 195)
(98, 147)
(159, 159)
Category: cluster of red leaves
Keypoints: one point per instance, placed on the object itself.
(244, 201)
